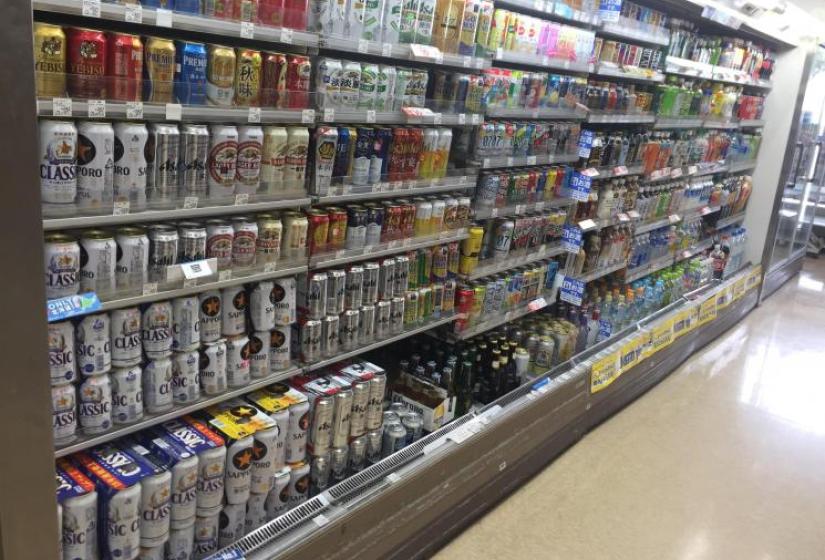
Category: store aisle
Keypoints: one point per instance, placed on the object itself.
(725, 459)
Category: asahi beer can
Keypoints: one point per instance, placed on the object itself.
(157, 385)
(264, 460)
(210, 315)
(276, 501)
(262, 306)
(402, 275)
(237, 361)
(343, 416)
(163, 250)
(320, 434)
(232, 519)
(194, 153)
(354, 294)
(375, 440)
(414, 425)
(279, 348)
(186, 387)
(244, 241)
(162, 160)
(386, 279)
(360, 403)
(213, 368)
(64, 414)
(366, 324)
(248, 166)
(206, 535)
(316, 298)
(126, 337)
(62, 357)
(97, 262)
(186, 324)
(297, 433)
(297, 490)
(311, 332)
(383, 314)
(339, 461)
(131, 270)
(239, 470)
(130, 163)
(62, 264)
(95, 164)
(336, 290)
(259, 354)
(329, 335)
(397, 315)
(281, 418)
(95, 404)
(192, 244)
(319, 474)
(181, 543)
(157, 330)
(371, 278)
(233, 310)
(219, 237)
(127, 395)
(283, 300)
(222, 160)
(357, 455)
(348, 329)
(375, 406)
(58, 162)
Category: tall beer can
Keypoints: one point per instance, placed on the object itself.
(262, 305)
(49, 60)
(360, 404)
(232, 519)
(124, 67)
(297, 432)
(233, 310)
(194, 153)
(213, 368)
(296, 228)
(283, 300)
(244, 241)
(95, 404)
(335, 292)
(130, 163)
(158, 70)
(207, 528)
(297, 148)
(220, 75)
(79, 517)
(273, 159)
(86, 63)
(328, 81)
(127, 395)
(222, 160)
(248, 166)
(237, 361)
(186, 323)
(157, 385)
(279, 348)
(326, 139)
(259, 354)
(276, 502)
(126, 337)
(62, 358)
(163, 155)
(64, 414)
(58, 161)
(186, 387)
(181, 542)
(375, 406)
(297, 490)
(95, 164)
(93, 339)
(97, 258)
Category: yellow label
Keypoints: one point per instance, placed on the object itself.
(237, 419)
(685, 321)
(739, 288)
(604, 372)
(707, 311)
(628, 355)
(271, 402)
(754, 278)
(660, 337)
(724, 297)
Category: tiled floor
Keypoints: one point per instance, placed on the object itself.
(725, 459)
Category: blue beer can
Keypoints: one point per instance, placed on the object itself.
(190, 73)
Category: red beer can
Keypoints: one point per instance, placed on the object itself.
(391, 230)
(86, 63)
(407, 218)
(337, 236)
(295, 14)
(298, 77)
(318, 232)
(124, 67)
(273, 80)
(395, 167)
(463, 305)
(416, 145)
(270, 12)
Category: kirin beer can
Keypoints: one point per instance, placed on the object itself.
(297, 149)
(186, 386)
(248, 165)
(126, 337)
(213, 367)
(222, 161)
(244, 241)
(157, 330)
(95, 164)
(62, 357)
(94, 346)
(157, 385)
(270, 234)
(273, 159)
(219, 237)
(127, 395)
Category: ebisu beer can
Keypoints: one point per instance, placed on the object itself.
(383, 311)
(248, 165)
(279, 348)
(155, 491)
(62, 357)
(157, 330)
(131, 270)
(86, 63)
(237, 421)
(335, 291)
(297, 491)
(232, 520)
(222, 160)
(244, 241)
(207, 528)
(62, 264)
(248, 66)
(262, 306)
(95, 163)
(127, 395)
(94, 346)
(126, 337)
(157, 385)
(297, 149)
(265, 458)
(190, 72)
(375, 407)
(194, 152)
(319, 472)
(64, 413)
(219, 237)
(273, 159)
(117, 478)
(237, 361)
(186, 387)
(283, 299)
(213, 367)
(130, 163)
(234, 303)
(181, 542)
(259, 354)
(220, 75)
(164, 242)
(320, 432)
(162, 157)
(276, 501)
(270, 234)
(78, 498)
(209, 447)
(49, 60)
(330, 326)
(186, 323)
(98, 255)
(255, 511)
(58, 162)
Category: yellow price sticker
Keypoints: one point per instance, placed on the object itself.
(754, 278)
(685, 321)
(707, 311)
(724, 298)
(629, 354)
(661, 336)
(604, 372)
(739, 288)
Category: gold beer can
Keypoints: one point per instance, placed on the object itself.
(248, 78)
(49, 60)
(220, 75)
(159, 65)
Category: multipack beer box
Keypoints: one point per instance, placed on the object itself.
(432, 402)
(289, 408)
(156, 495)
(76, 493)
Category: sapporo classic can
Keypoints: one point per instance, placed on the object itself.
(127, 395)
(126, 337)
(62, 264)
(186, 386)
(94, 346)
(62, 358)
(64, 413)
(58, 162)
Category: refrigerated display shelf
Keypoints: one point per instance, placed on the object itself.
(422, 327)
(148, 420)
(400, 52)
(644, 227)
(691, 69)
(677, 122)
(620, 118)
(598, 273)
(344, 256)
(146, 111)
(751, 123)
(161, 19)
(651, 267)
(590, 224)
(518, 209)
(629, 73)
(611, 171)
(695, 170)
(560, 113)
(368, 116)
(521, 161)
(720, 124)
(730, 220)
(549, 8)
(536, 304)
(111, 219)
(540, 62)
(625, 30)
(542, 252)
(693, 250)
(349, 193)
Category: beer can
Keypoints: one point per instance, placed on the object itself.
(190, 72)
(350, 85)
(397, 313)
(259, 354)
(356, 227)
(212, 367)
(336, 292)
(296, 229)
(386, 279)
(273, 65)
(270, 234)
(395, 438)
(64, 414)
(297, 149)
(320, 432)
(157, 385)
(368, 85)
(311, 340)
(362, 155)
(382, 319)
(339, 461)
(276, 501)
(297, 490)
(360, 403)
(255, 512)
(127, 395)
(130, 171)
(402, 275)
(131, 270)
(273, 160)
(126, 337)
(62, 358)
(95, 164)
(207, 529)
(354, 292)
(233, 310)
(279, 348)
(328, 82)
(348, 329)
(264, 461)
(164, 249)
(157, 330)
(414, 425)
(62, 257)
(448, 301)
(220, 75)
(155, 508)
(262, 305)
(58, 162)
(281, 418)
(375, 440)
(248, 164)
(186, 386)
(158, 70)
(186, 323)
(192, 242)
(319, 474)
(239, 470)
(181, 542)
(366, 323)
(49, 60)
(237, 361)
(370, 282)
(162, 157)
(80, 521)
(375, 407)
(248, 67)
(86, 63)
(297, 432)
(337, 236)
(317, 290)
(329, 335)
(244, 241)
(194, 154)
(411, 305)
(94, 347)
(357, 455)
(95, 404)
(222, 160)
(326, 141)
(298, 79)
(342, 401)
(318, 224)
(219, 237)
(210, 315)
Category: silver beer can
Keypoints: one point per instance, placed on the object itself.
(297, 432)
(192, 244)
(98, 255)
(357, 455)
(239, 470)
(186, 387)
(233, 310)
(386, 279)
(157, 386)
(210, 315)
(94, 347)
(360, 402)
(396, 315)
(395, 438)
(186, 324)
(262, 306)
(64, 414)
(127, 395)
(339, 461)
(259, 354)
(329, 340)
(316, 295)
(375, 407)
(281, 417)
(354, 292)
(194, 150)
(414, 425)
(336, 290)
(342, 418)
(264, 459)
(80, 522)
(279, 349)
(319, 474)
(283, 299)
(371, 277)
(62, 365)
(232, 520)
(163, 156)
(276, 501)
(155, 508)
(132, 268)
(213, 368)
(58, 161)
(157, 330)
(382, 319)
(402, 274)
(366, 323)
(181, 542)
(206, 535)
(123, 523)
(297, 491)
(62, 265)
(164, 244)
(311, 341)
(320, 434)
(95, 404)
(237, 361)
(375, 439)
(348, 329)
(130, 163)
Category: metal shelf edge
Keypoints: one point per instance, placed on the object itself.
(549, 252)
(335, 199)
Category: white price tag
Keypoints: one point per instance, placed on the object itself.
(96, 108)
(62, 107)
(308, 116)
(510, 161)
(134, 109)
(370, 116)
(591, 172)
(134, 13)
(163, 18)
(476, 118)
(254, 115)
(494, 213)
(196, 269)
(624, 217)
(363, 46)
(586, 225)
(174, 111)
(286, 36)
(436, 119)
(620, 170)
(439, 57)
(531, 160)
(692, 170)
(241, 199)
(270, 267)
(485, 163)
(479, 63)
(91, 8)
(466, 61)
(539, 206)
(190, 202)
(676, 173)
(508, 316)
(537, 304)
(224, 275)
(393, 244)
(634, 214)
(462, 119)
(329, 115)
(538, 5)
(520, 208)
(190, 282)
(150, 288)
(396, 185)
(499, 53)
(386, 49)
(247, 30)
(674, 218)
(120, 208)
(545, 60)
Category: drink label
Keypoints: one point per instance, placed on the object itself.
(571, 240)
(609, 10)
(71, 306)
(579, 188)
(572, 290)
(585, 143)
